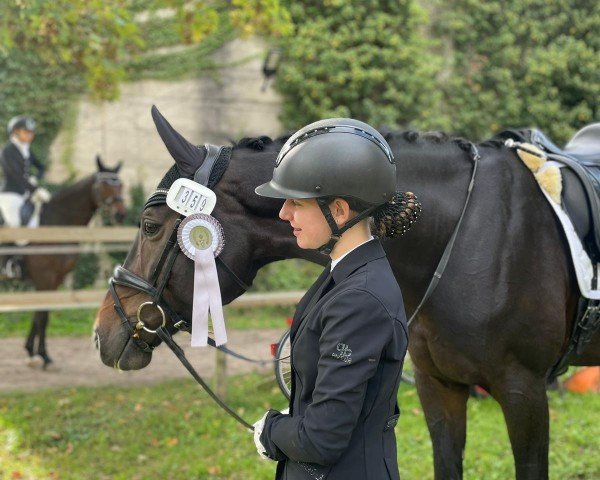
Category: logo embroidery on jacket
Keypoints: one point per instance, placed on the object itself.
(343, 353)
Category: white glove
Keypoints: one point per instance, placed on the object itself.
(40, 195)
(33, 180)
(258, 429)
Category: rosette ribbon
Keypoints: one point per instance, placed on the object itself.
(201, 239)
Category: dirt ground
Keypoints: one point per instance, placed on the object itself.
(77, 363)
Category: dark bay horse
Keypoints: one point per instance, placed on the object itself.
(74, 205)
(499, 318)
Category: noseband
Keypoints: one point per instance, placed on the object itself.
(154, 289)
(109, 178)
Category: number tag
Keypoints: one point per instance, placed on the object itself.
(188, 197)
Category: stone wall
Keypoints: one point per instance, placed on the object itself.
(201, 109)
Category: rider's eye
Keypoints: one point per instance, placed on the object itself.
(150, 228)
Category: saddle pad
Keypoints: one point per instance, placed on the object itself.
(584, 268)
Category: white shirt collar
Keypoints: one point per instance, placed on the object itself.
(23, 147)
(335, 262)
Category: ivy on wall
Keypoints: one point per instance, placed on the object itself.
(462, 66)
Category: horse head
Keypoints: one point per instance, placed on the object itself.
(254, 236)
(108, 191)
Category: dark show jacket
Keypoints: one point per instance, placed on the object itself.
(17, 168)
(348, 346)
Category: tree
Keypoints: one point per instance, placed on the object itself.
(520, 64)
(50, 51)
(366, 59)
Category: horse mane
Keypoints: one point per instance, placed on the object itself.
(67, 190)
(260, 143)
(432, 137)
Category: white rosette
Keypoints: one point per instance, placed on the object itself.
(201, 238)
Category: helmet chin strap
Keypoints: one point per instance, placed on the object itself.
(336, 232)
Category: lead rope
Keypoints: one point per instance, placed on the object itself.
(439, 271)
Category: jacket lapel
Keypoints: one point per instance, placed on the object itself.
(313, 291)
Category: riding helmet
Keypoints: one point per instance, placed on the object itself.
(339, 157)
(20, 121)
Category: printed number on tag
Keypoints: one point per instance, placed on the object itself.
(188, 197)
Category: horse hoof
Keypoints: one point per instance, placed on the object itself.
(36, 362)
(50, 367)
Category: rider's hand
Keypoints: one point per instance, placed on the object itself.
(258, 429)
(40, 195)
(33, 180)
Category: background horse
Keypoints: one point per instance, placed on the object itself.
(500, 317)
(74, 205)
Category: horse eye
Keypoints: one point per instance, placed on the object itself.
(150, 228)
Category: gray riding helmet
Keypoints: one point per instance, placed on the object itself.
(20, 121)
(339, 157)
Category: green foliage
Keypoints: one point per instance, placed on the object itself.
(486, 65)
(521, 63)
(78, 322)
(86, 270)
(90, 35)
(38, 89)
(286, 275)
(52, 51)
(174, 430)
(373, 64)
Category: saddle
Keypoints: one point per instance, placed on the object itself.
(580, 199)
(580, 179)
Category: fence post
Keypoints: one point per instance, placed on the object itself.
(221, 374)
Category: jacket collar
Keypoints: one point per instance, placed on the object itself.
(362, 255)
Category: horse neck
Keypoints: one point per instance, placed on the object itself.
(439, 174)
(73, 205)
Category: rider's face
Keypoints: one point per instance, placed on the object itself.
(25, 136)
(307, 220)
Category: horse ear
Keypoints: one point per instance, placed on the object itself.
(188, 157)
(99, 163)
(118, 167)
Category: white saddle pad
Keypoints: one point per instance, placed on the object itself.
(583, 265)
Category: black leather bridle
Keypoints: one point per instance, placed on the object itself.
(155, 288)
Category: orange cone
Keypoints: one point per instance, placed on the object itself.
(584, 381)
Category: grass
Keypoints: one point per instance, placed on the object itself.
(174, 431)
(79, 322)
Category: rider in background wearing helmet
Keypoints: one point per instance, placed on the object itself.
(21, 169)
(349, 335)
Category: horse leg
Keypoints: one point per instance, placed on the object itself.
(35, 361)
(445, 408)
(42, 335)
(29, 343)
(525, 406)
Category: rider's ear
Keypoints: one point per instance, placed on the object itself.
(340, 210)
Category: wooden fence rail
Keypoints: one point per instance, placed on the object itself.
(64, 234)
(63, 300)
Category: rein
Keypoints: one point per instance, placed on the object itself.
(439, 271)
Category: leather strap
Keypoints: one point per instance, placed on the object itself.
(439, 271)
(168, 340)
(213, 153)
